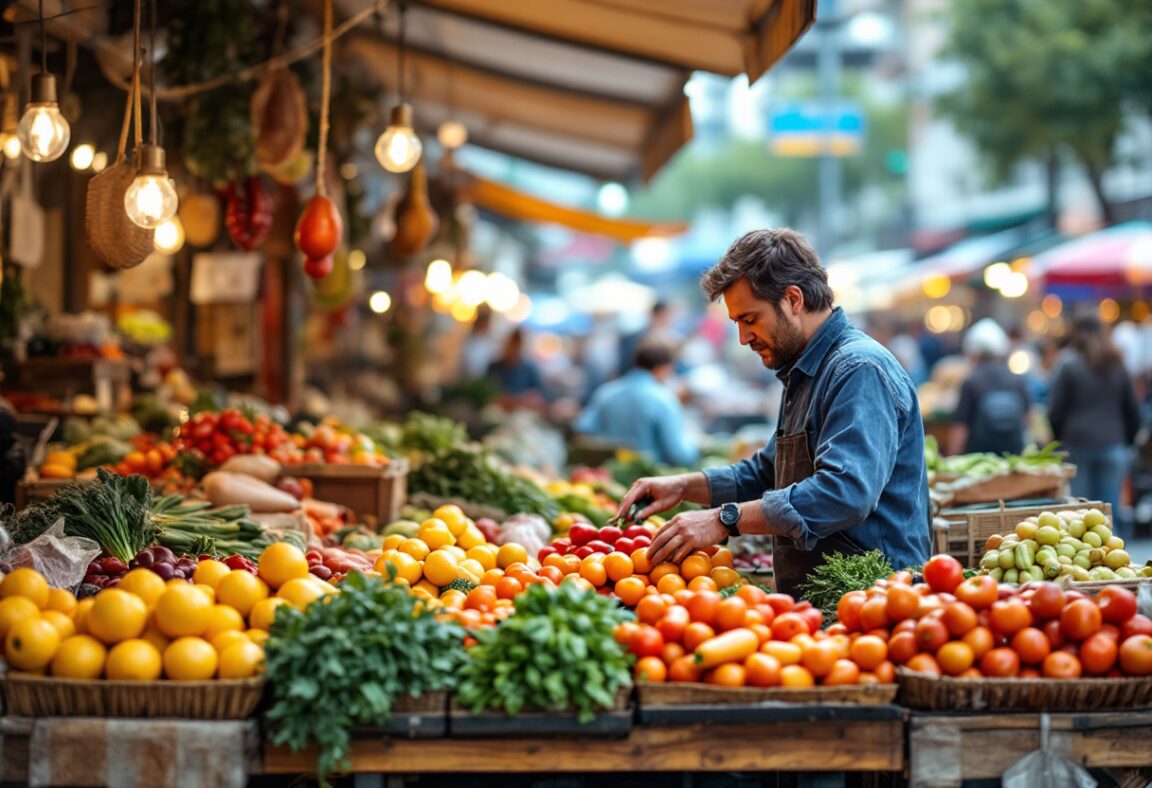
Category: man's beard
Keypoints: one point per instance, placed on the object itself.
(787, 345)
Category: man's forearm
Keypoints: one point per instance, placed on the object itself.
(696, 489)
(752, 521)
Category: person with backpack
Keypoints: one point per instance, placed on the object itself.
(992, 413)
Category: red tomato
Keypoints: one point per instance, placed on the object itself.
(959, 617)
(646, 641)
(978, 592)
(1081, 619)
(1032, 645)
(1000, 662)
(814, 618)
(788, 625)
(874, 613)
(943, 573)
(1009, 616)
(1136, 655)
(1059, 665)
(848, 609)
(1047, 602)
(902, 647)
(672, 624)
(1054, 633)
(1098, 654)
(924, 663)
(1116, 604)
(1139, 624)
(781, 603)
(931, 634)
(903, 602)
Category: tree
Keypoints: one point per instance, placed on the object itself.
(1045, 79)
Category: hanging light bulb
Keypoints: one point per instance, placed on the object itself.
(83, 156)
(438, 278)
(169, 236)
(398, 148)
(151, 199)
(452, 134)
(12, 146)
(43, 131)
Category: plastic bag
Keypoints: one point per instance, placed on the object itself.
(63, 560)
(1046, 768)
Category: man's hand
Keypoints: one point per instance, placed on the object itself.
(665, 492)
(684, 534)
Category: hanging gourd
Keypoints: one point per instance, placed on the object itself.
(416, 222)
(320, 229)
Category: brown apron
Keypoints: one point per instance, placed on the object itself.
(791, 566)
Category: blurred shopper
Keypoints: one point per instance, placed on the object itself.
(992, 413)
(519, 379)
(640, 411)
(479, 347)
(844, 472)
(659, 328)
(1093, 410)
(907, 351)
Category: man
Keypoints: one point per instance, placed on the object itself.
(845, 471)
(992, 413)
(640, 411)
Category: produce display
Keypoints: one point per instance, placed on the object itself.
(1072, 545)
(1033, 459)
(978, 627)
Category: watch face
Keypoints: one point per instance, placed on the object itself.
(729, 514)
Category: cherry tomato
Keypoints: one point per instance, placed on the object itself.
(943, 573)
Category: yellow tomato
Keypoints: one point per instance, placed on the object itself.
(281, 562)
(134, 660)
(79, 657)
(190, 659)
(27, 583)
(241, 590)
(441, 567)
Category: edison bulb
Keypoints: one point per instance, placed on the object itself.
(398, 148)
(150, 200)
(12, 146)
(43, 132)
(83, 156)
(169, 236)
(438, 278)
(452, 134)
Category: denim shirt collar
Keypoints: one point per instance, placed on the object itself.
(818, 346)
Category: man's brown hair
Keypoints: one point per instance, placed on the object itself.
(771, 261)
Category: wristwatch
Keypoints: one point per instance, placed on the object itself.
(730, 518)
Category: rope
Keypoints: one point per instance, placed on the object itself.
(325, 100)
(254, 71)
(155, 123)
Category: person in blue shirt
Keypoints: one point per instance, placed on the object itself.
(640, 411)
(845, 470)
(518, 377)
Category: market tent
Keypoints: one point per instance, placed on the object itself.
(582, 85)
(1116, 257)
(966, 257)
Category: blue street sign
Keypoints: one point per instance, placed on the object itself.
(812, 128)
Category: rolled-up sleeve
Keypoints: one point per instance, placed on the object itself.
(855, 455)
(746, 480)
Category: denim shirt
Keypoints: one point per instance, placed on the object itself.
(866, 437)
(643, 413)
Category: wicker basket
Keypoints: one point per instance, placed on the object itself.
(1003, 521)
(1094, 586)
(920, 691)
(38, 696)
(678, 693)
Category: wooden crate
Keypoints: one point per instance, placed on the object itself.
(33, 490)
(372, 491)
(1003, 520)
(1008, 487)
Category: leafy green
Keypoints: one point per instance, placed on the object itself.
(467, 473)
(423, 432)
(345, 661)
(194, 527)
(557, 652)
(113, 511)
(839, 574)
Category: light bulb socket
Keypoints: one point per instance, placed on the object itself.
(43, 89)
(152, 161)
(402, 115)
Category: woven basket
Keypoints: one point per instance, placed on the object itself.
(920, 691)
(115, 239)
(1094, 586)
(38, 696)
(675, 693)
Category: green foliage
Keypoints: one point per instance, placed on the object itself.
(1044, 78)
(557, 652)
(423, 432)
(468, 473)
(344, 661)
(840, 574)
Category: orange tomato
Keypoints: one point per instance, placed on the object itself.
(625, 632)
(902, 602)
(874, 613)
(640, 563)
(844, 671)
(885, 672)
(594, 572)
(695, 634)
(650, 669)
(796, 676)
(684, 669)
(508, 588)
(673, 623)
(651, 609)
(1061, 665)
(820, 657)
(924, 663)
(981, 641)
(617, 566)
(724, 576)
(672, 652)
(702, 583)
(646, 641)
(722, 557)
(788, 625)
(552, 574)
(695, 566)
(955, 657)
(848, 609)
(763, 632)
(959, 618)
(730, 613)
(868, 651)
(661, 570)
(730, 674)
(482, 598)
(1032, 645)
(670, 584)
(753, 595)
(762, 670)
(703, 606)
(630, 590)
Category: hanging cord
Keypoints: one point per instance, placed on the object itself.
(400, 40)
(43, 42)
(325, 99)
(250, 72)
(133, 91)
(154, 131)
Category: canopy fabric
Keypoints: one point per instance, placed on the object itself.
(584, 85)
(514, 204)
(1115, 257)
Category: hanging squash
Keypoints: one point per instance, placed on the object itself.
(279, 117)
(416, 222)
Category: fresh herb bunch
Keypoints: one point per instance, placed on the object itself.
(423, 432)
(344, 663)
(840, 574)
(468, 473)
(557, 652)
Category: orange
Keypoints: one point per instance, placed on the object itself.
(241, 590)
(228, 638)
(145, 584)
(670, 584)
(63, 623)
(441, 567)
(263, 613)
(640, 563)
(31, 644)
(618, 566)
(133, 660)
(666, 568)
(702, 583)
(594, 572)
(80, 617)
(796, 676)
(281, 562)
(299, 593)
(630, 590)
(695, 566)
(27, 583)
(190, 659)
(14, 610)
(210, 572)
(241, 661)
(724, 576)
(79, 657)
(184, 610)
(785, 653)
(730, 674)
(61, 600)
(117, 615)
(222, 618)
(650, 669)
(722, 557)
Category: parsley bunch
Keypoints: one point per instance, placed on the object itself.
(344, 662)
(557, 652)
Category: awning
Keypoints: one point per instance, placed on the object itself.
(1119, 256)
(584, 85)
